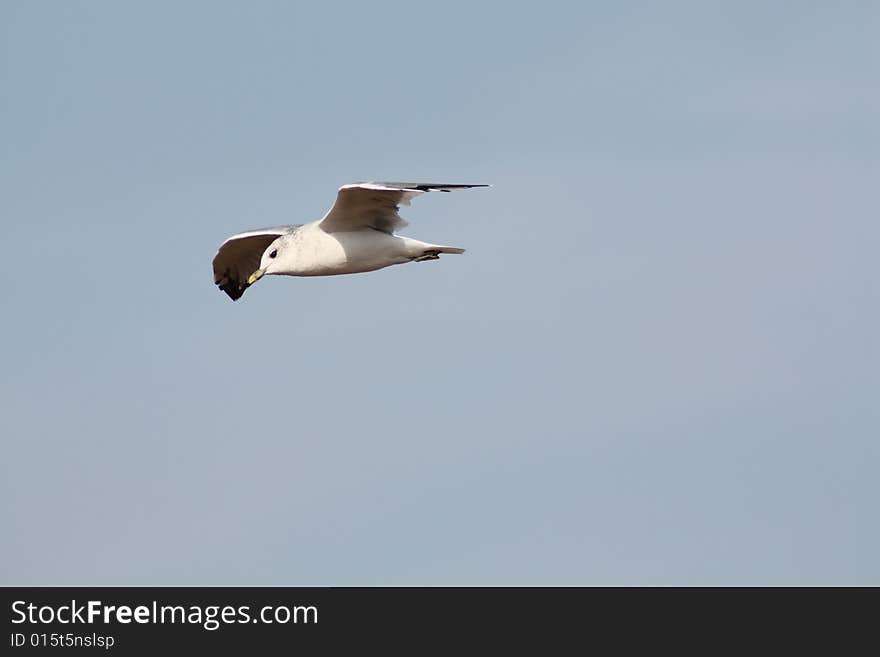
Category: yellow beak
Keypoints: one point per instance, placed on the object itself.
(257, 275)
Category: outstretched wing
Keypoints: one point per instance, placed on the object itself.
(239, 257)
(375, 205)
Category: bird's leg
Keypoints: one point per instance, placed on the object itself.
(428, 255)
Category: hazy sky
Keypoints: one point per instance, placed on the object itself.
(657, 363)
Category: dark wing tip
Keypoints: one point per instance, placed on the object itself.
(234, 293)
(442, 187)
(232, 286)
(424, 187)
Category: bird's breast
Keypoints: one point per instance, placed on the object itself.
(317, 253)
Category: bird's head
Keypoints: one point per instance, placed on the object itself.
(269, 262)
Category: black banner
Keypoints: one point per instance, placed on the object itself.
(130, 620)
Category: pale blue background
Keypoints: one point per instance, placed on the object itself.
(656, 364)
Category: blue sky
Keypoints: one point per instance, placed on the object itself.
(657, 363)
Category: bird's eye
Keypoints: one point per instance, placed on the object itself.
(274, 253)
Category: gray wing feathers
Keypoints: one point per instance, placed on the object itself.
(375, 204)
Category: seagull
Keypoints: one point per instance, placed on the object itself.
(356, 235)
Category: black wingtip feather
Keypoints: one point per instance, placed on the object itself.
(426, 187)
(444, 188)
(233, 288)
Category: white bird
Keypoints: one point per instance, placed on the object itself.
(356, 235)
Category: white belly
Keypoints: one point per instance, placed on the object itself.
(324, 254)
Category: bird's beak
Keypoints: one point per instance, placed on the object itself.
(257, 275)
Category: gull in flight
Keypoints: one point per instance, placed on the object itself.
(356, 235)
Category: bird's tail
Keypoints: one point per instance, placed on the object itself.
(446, 249)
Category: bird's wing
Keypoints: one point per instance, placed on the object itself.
(239, 257)
(375, 205)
